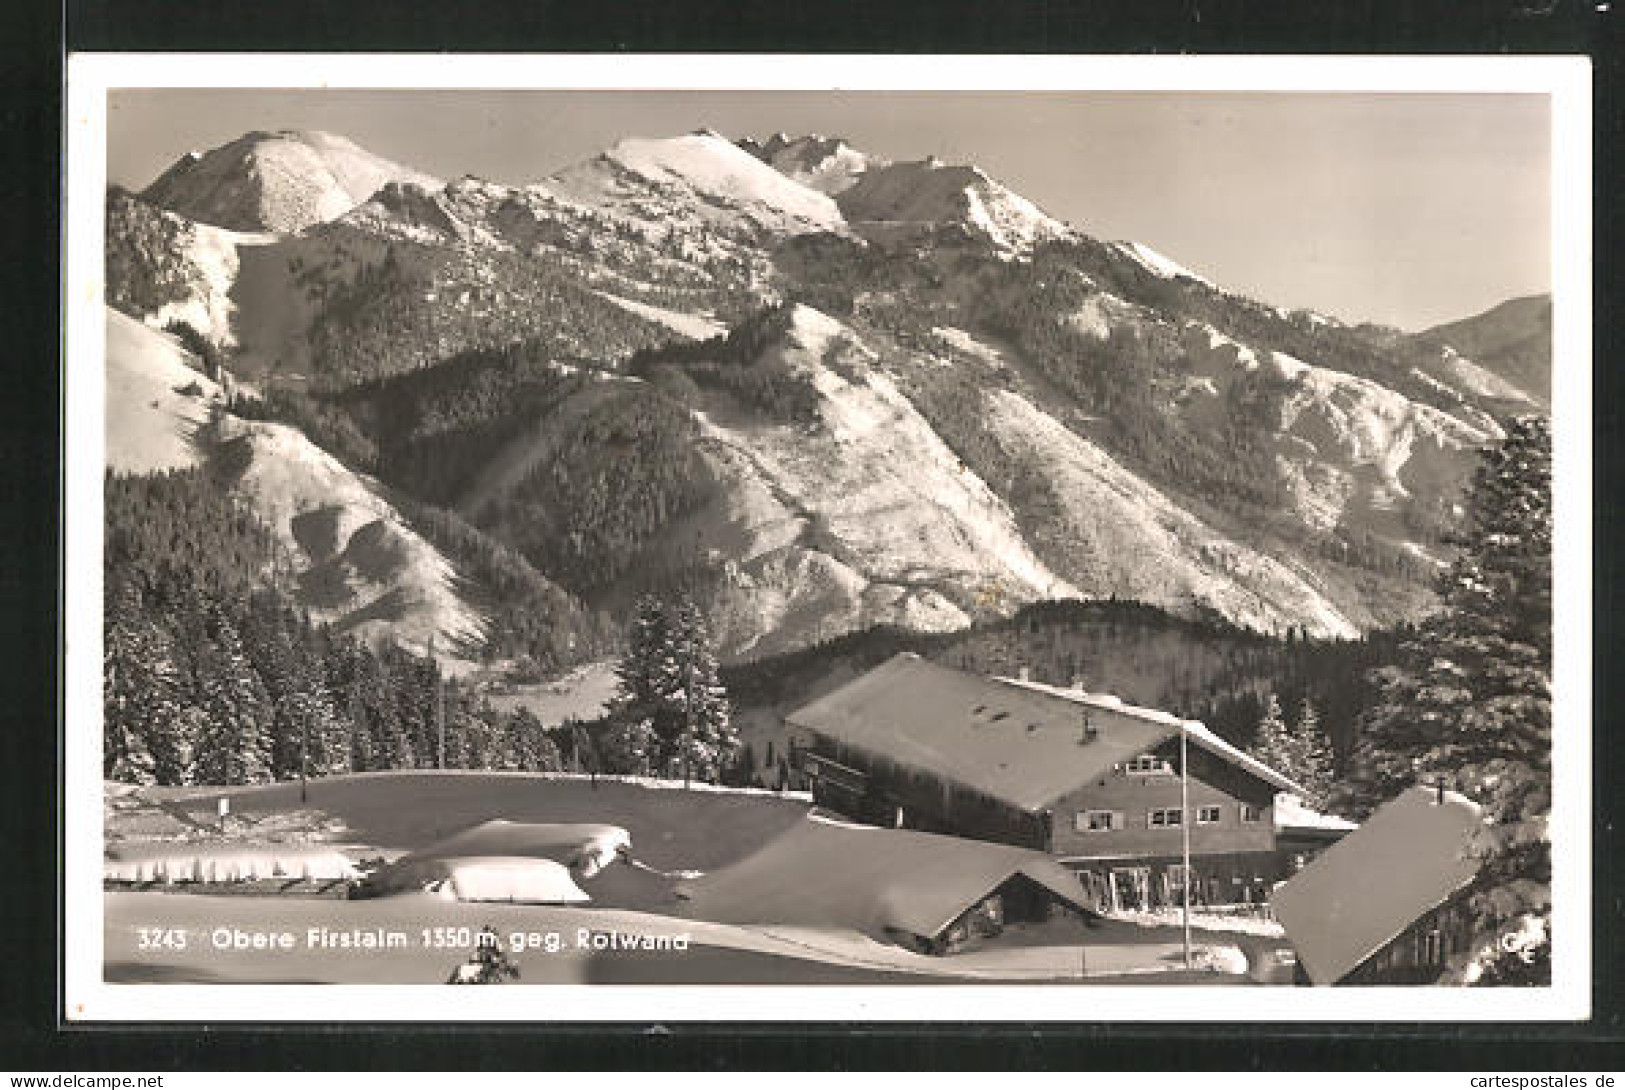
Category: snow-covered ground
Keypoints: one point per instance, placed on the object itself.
(156, 399)
(1350, 448)
(1156, 263)
(581, 694)
(827, 164)
(1123, 536)
(362, 567)
(348, 942)
(694, 326)
(866, 518)
(673, 831)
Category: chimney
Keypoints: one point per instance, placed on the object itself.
(1024, 674)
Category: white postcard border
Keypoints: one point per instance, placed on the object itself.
(88, 998)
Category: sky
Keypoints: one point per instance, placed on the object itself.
(1403, 209)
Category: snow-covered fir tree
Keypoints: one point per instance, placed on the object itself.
(235, 744)
(126, 718)
(1312, 753)
(1299, 752)
(1469, 701)
(670, 715)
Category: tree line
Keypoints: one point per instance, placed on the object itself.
(211, 674)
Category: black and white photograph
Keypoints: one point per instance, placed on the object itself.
(1050, 537)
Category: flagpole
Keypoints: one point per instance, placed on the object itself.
(1185, 833)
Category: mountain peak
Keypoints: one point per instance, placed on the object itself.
(282, 181)
(825, 163)
(701, 173)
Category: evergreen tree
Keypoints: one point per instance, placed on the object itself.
(235, 745)
(707, 744)
(1299, 752)
(627, 747)
(1469, 699)
(126, 756)
(671, 712)
(1271, 742)
(1312, 755)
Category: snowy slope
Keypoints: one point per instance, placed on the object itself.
(1113, 533)
(277, 181)
(931, 192)
(1157, 264)
(151, 422)
(865, 518)
(693, 326)
(359, 565)
(827, 164)
(1351, 446)
(701, 175)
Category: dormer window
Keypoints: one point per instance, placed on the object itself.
(1147, 765)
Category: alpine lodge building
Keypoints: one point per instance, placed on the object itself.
(1092, 781)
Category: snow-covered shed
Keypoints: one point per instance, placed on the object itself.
(503, 860)
(1379, 906)
(886, 883)
(1084, 776)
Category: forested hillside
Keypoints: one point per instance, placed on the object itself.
(211, 675)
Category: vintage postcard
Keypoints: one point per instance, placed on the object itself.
(861, 538)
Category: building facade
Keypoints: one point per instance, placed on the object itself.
(1094, 782)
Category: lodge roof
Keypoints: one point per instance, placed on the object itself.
(1195, 730)
(824, 873)
(1365, 890)
(1020, 742)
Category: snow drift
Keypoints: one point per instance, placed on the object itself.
(506, 861)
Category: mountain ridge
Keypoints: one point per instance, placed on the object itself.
(1079, 418)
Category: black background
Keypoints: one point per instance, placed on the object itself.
(32, 1036)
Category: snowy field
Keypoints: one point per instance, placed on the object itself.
(635, 929)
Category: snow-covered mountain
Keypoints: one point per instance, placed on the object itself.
(902, 195)
(701, 176)
(825, 163)
(1507, 349)
(276, 181)
(827, 389)
(355, 562)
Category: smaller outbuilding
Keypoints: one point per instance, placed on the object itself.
(929, 892)
(1383, 904)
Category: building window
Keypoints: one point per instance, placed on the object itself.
(1207, 815)
(1098, 821)
(1250, 814)
(1148, 765)
(1168, 817)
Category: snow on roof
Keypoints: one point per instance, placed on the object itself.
(1360, 893)
(585, 847)
(507, 861)
(1291, 813)
(1194, 729)
(871, 880)
(1014, 743)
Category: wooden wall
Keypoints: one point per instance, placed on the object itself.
(1213, 782)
